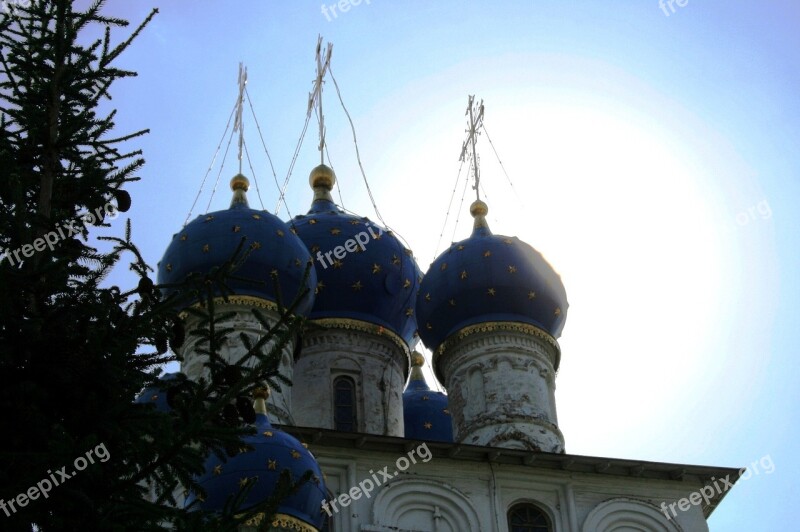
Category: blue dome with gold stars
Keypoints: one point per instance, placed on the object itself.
(425, 413)
(256, 466)
(159, 394)
(270, 252)
(489, 278)
(363, 271)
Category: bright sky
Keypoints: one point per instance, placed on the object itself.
(654, 162)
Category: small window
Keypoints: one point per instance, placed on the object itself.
(344, 404)
(527, 518)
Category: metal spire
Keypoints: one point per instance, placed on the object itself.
(315, 97)
(475, 113)
(238, 125)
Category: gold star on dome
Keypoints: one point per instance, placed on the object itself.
(376, 268)
(244, 449)
(320, 286)
(531, 295)
(335, 231)
(463, 275)
(169, 267)
(507, 241)
(452, 302)
(314, 248)
(206, 247)
(298, 262)
(273, 273)
(305, 445)
(293, 230)
(443, 267)
(445, 411)
(428, 296)
(218, 469)
(357, 286)
(272, 465)
(428, 326)
(557, 312)
(427, 424)
(395, 260)
(267, 433)
(279, 233)
(312, 221)
(209, 218)
(256, 217)
(406, 283)
(424, 397)
(236, 228)
(183, 237)
(408, 251)
(491, 291)
(337, 264)
(460, 247)
(512, 269)
(295, 454)
(354, 222)
(487, 253)
(243, 482)
(379, 236)
(255, 245)
(154, 397)
(409, 311)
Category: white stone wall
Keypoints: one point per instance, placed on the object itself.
(450, 495)
(501, 387)
(377, 365)
(233, 349)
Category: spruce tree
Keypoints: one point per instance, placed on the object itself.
(75, 352)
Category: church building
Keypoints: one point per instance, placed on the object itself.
(388, 452)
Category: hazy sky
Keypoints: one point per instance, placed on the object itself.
(654, 163)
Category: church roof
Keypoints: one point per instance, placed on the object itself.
(489, 278)
(364, 272)
(271, 252)
(426, 414)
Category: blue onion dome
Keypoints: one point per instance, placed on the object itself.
(270, 251)
(425, 412)
(160, 394)
(489, 278)
(364, 272)
(258, 464)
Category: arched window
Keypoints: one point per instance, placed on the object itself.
(526, 517)
(344, 404)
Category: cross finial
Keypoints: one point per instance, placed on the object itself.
(237, 123)
(315, 97)
(475, 112)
